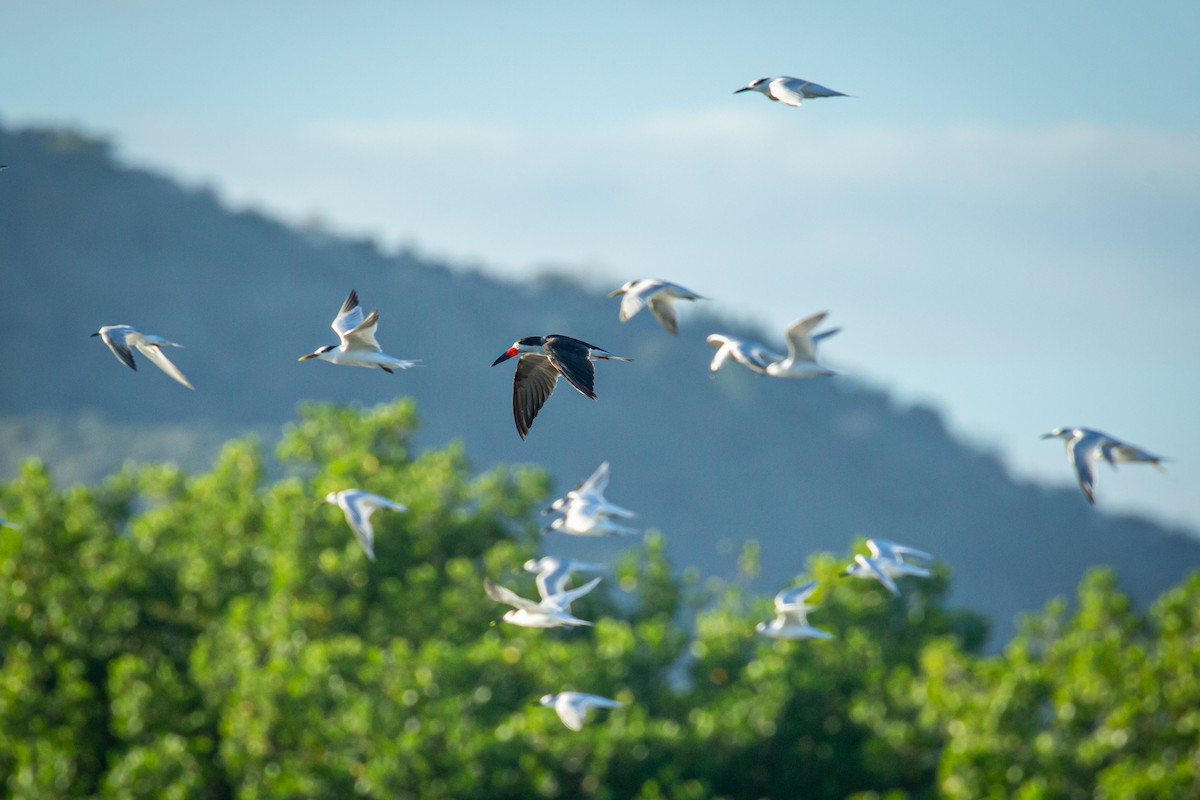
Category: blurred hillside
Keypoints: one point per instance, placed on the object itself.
(801, 466)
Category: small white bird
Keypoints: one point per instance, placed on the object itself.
(553, 573)
(358, 346)
(120, 338)
(588, 497)
(1085, 445)
(572, 707)
(659, 295)
(552, 612)
(358, 507)
(888, 562)
(791, 616)
(788, 90)
(801, 361)
(752, 355)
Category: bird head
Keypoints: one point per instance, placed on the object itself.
(1057, 433)
(320, 351)
(754, 86)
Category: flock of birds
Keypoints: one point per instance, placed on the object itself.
(584, 510)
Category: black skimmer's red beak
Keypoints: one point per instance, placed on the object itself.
(506, 355)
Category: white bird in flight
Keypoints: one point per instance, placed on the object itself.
(888, 562)
(572, 707)
(358, 346)
(788, 90)
(791, 616)
(752, 355)
(801, 361)
(121, 338)
(1085, 445)
(659, 295)
(541, 360)
(358, 507)
(588, 497)
(553, 573)
(551, 612)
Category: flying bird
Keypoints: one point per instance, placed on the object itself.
(659, 295)
(553, 573)
(788, 90)
(588, 496)
(122, 338)
(801, 360)
(358, 347)
(572, 707)
(541, 360)
(1085, 445)
(791, 616)
(551, 612)
(358, 507)
(752, 355)
(888, 561)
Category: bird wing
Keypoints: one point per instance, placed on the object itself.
(115, 339)
(1079, 453)
(817, 338)
(358, 517)
(363, 334)
(152, 352)
(503, 594)
(571, 713)
(663, 307)
(635, 298)
(795, 596)
(533, 382)
(553, 577)
(374, 501)
(596, 483)
(786, 90)
(800, 344)
(802, 88)
(571, 358)
(724, 348)
(349, 317)
(564, 599)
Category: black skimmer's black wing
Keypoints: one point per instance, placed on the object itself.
(533, 382)
(573, 359)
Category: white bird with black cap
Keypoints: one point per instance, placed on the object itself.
(358, 347)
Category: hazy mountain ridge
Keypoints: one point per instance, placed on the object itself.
(800, 466)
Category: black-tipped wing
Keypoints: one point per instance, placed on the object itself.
(532, 384)
(571, 358)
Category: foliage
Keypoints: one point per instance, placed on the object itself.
(222, 635)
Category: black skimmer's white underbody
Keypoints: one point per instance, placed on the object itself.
(358, 347)
(542, 360)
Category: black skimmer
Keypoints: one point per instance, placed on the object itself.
(542, 360)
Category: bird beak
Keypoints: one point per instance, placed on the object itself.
(506, 355)
(1047, 436)
(97, 333)
(743, 89)
(616, 292)
(307, 357)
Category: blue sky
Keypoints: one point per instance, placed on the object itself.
(1004, 218)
